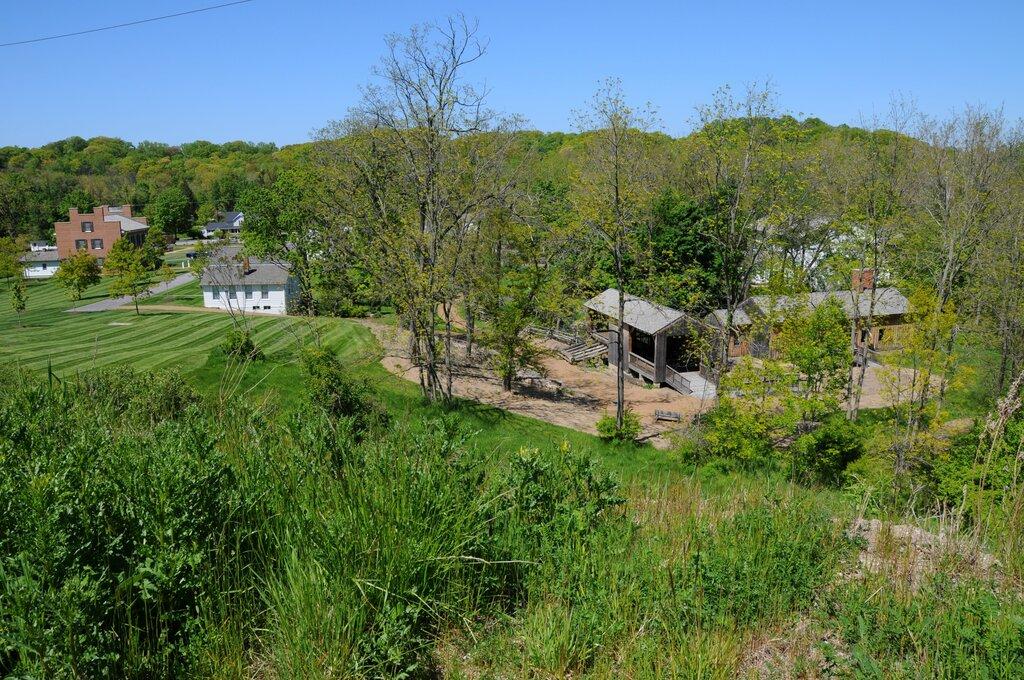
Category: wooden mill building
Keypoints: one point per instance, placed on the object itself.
(659, 341)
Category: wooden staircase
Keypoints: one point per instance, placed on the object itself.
(582, 351)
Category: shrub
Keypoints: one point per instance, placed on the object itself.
(821, 456)
(238, 343)
(608, 429)
(329, 387)
(109, 527)
(739, 436)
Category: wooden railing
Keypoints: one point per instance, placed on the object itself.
(642, 365)
(604, 337)
(676, 380)
(561, 336)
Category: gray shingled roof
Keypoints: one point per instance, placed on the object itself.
(220, 226)
(259, 273)
(648, 317)
(739, 318)
(888, 302)
(40, 256)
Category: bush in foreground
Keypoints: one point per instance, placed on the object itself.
(609, 430)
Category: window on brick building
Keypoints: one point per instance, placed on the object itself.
(97, 244)
(86, 227)
(81, 244)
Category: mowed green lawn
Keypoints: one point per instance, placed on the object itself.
(189, 295)
(47, 335)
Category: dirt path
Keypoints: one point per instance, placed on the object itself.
(584, 396)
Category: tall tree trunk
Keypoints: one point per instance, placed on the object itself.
(446, 307)
(470, 326)
(620, 374)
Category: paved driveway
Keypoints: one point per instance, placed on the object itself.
(114, 303)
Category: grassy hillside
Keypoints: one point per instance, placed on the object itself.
(47, 335)
(69, 343)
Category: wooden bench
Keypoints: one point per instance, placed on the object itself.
(673, 416)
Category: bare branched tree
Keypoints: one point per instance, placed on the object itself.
(414, 165)
(613, 189)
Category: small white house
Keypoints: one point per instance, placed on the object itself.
(39, 246)
(230, 223)
(41, 264)
(264, 287)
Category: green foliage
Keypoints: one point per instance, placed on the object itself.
(10, 252)
(755, 411)
(817, 344)
(513, 349)
(608, 429)
(740, 436)
(153, 248)
(80, 199)
(239, 343)
(77, 273)
(330, 387)
(104, 549)
(126, 264)
(18, 300)
(686, 260)
(172, 210)
(949, 629)
(822, 456)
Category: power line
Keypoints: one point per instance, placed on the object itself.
(130, 23)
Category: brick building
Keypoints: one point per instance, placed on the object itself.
(97, 231)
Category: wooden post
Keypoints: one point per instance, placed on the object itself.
(613, 352)
(660, 356)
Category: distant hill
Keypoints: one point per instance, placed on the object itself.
(38, 185)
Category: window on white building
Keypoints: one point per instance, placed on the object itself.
(264, 292)
(216, 293)
(248, 292)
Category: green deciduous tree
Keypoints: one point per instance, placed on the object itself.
(78, 272)
(738, 167)
(153, 247)
(18, 297)
(10, 252)
(412, 169)
(80, 199)
(817, 343)
(613, 190)
(131, 277)
(172, 210)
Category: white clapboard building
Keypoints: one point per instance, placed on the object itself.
(248, 285)
(40, 264)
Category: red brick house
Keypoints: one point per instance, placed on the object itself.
(97, 231)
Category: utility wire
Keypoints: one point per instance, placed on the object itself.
(130, 23)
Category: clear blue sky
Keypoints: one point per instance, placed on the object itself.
(273, 70)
